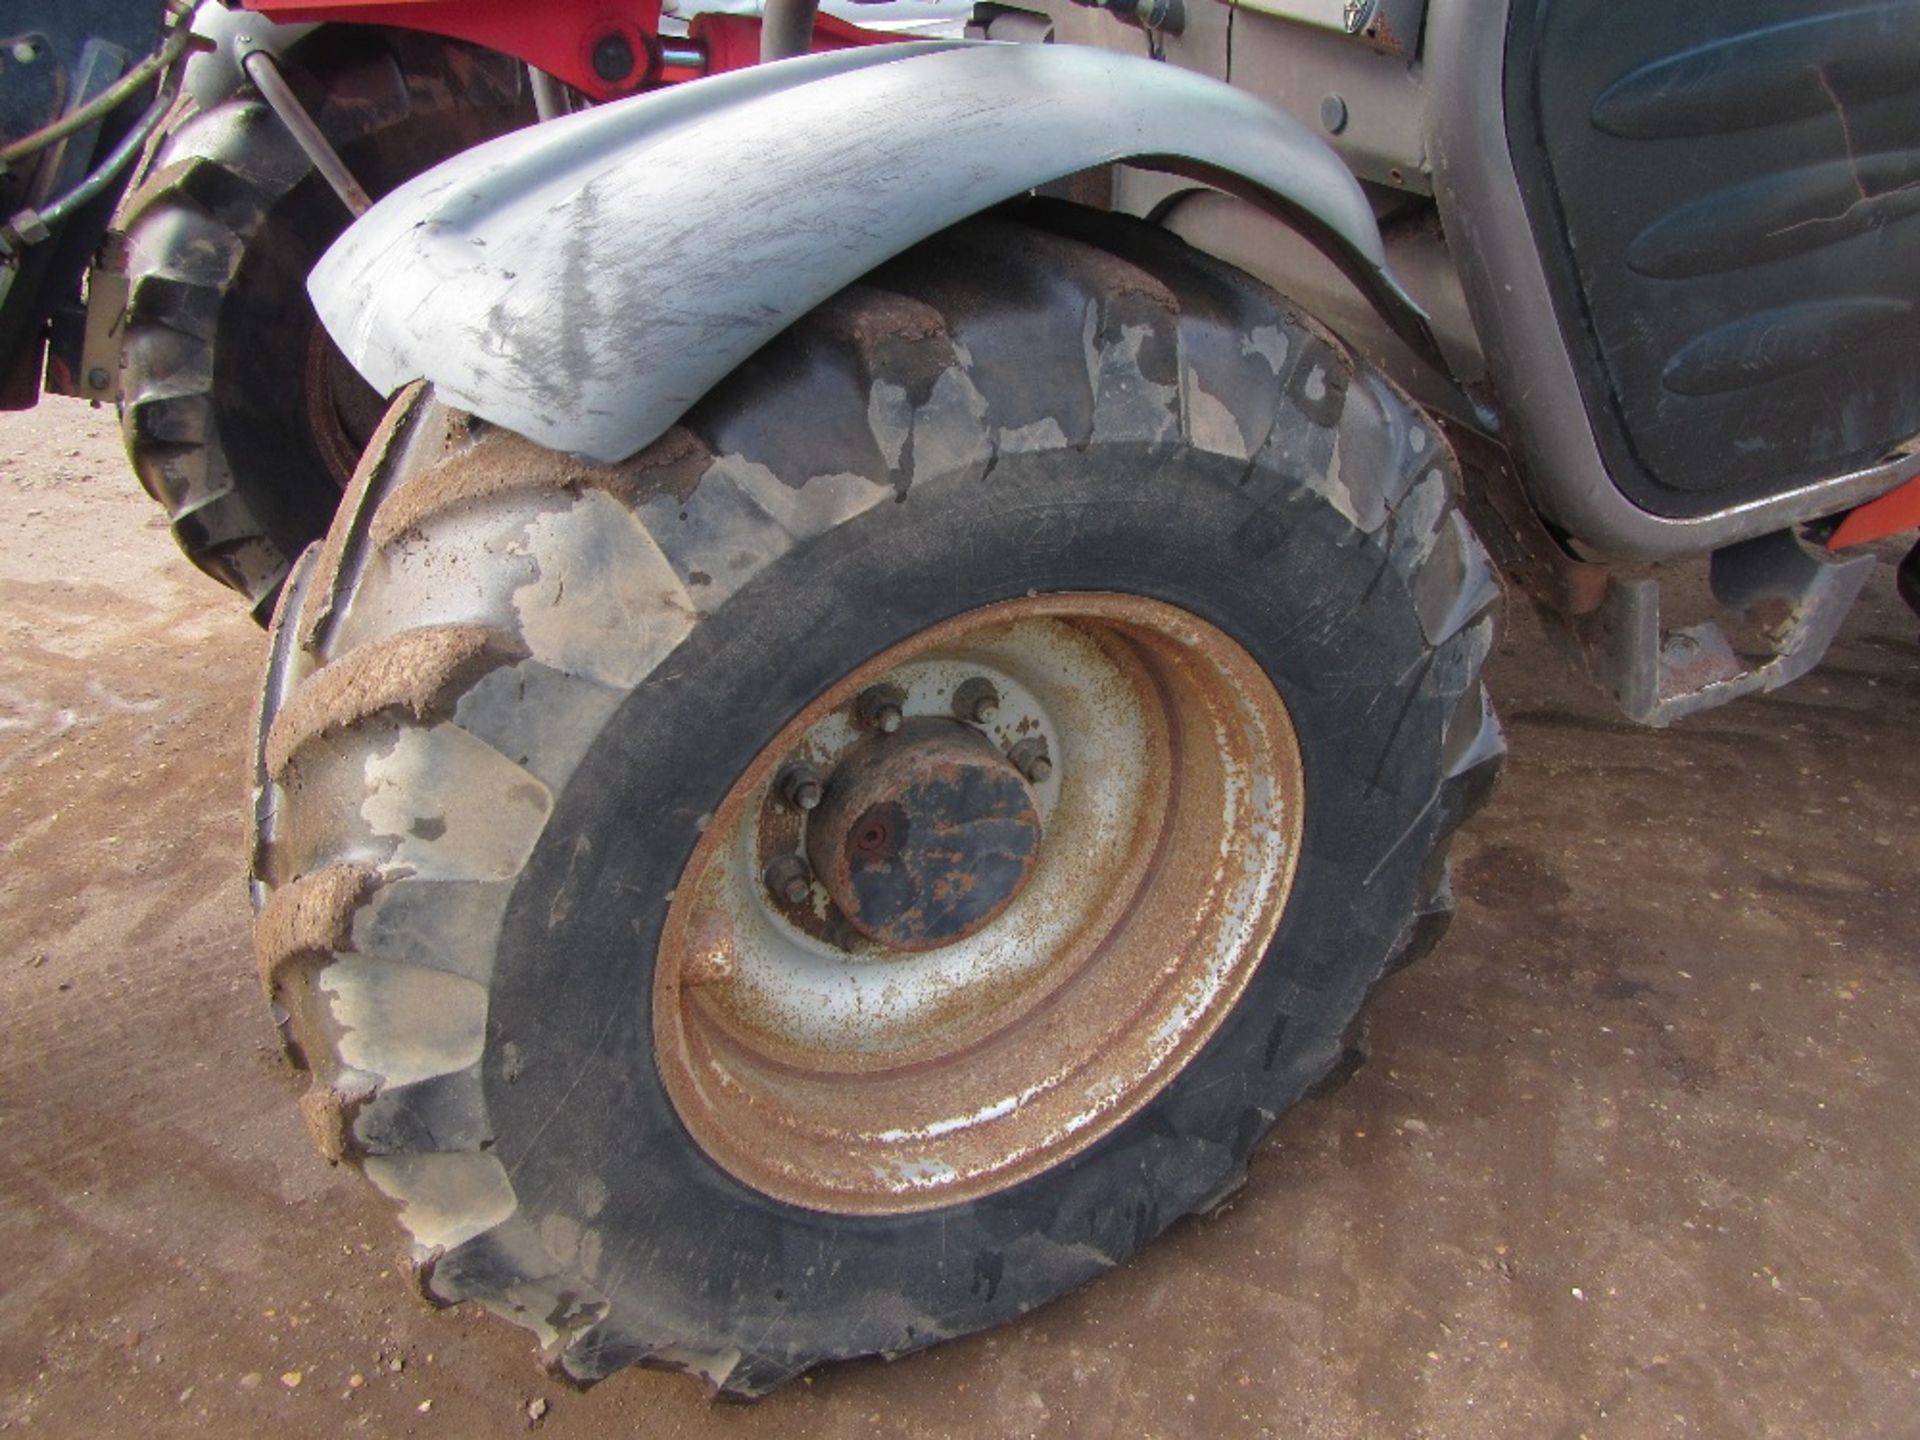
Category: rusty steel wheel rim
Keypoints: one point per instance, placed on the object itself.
(930, 946)
(343, 410)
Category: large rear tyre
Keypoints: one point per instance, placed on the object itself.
(239, 414)
(538, 742)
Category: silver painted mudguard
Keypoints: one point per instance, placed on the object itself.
(586, 281)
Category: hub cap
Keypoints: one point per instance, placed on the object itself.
(925, 835)
(994, 931)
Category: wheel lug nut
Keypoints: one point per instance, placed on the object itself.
(789, 877)
(977, 701)
(880, 708)
(1030, 758)
(800, 786)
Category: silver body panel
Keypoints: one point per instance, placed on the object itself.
(1388, 24)
(924, 19)
(586, 281)
(1492, 243)
(1439, 122)
(1292, 64)
(1300, 68)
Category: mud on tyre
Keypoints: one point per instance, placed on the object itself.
(238, 413)
(529, 740)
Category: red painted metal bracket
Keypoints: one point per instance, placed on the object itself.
(1893, 512)
(733, 41)
(603, 48)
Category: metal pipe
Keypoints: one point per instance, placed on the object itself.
(549, 95)
(33, 226)
(786, 29)
(109, 169)
(677, 52)
(265, 74)
(102, 103)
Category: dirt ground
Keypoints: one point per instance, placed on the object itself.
(1635, 1156)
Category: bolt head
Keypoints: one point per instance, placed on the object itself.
(613, 58)
(977, 701)
(880, 708)
(799, 784)
(98, 378)
(788, 877)
(1030, 758)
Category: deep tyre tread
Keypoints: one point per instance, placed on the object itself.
(942, 387)
(219, 332)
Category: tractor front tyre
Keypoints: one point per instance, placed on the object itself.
(870, 862)
(239, 414)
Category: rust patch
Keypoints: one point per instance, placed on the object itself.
(503, 463)
(1005, 1072)
(926, 836)
(309, 920)
(350, 521)
(418, 672)
(1522, 546)
(1385, 36)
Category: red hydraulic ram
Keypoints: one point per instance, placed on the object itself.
(603, 48)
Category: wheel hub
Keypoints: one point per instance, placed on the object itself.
(925, 836)
(879, 991)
